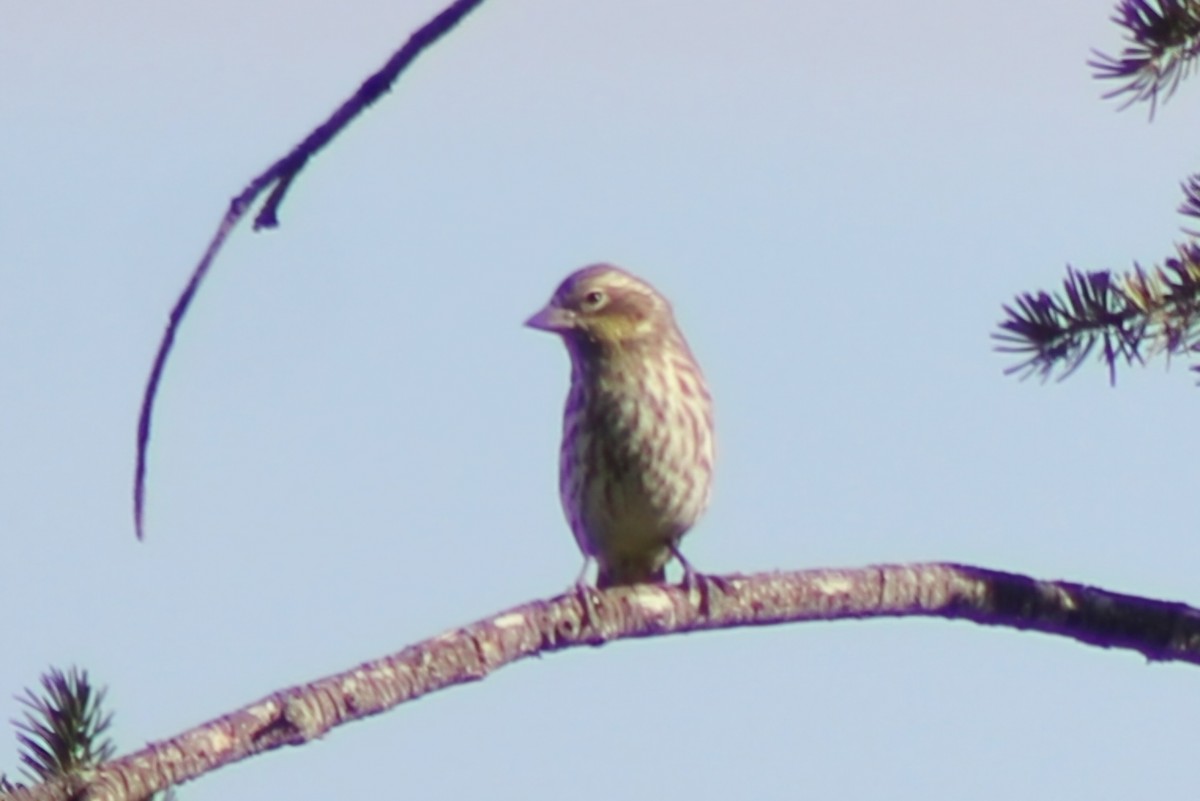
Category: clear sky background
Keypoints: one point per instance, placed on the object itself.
(355, 445)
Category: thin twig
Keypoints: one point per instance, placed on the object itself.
(279, 176)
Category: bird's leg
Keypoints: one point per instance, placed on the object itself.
(588, 597)
(693, 579)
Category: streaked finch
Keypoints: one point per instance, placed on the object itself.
(636, 464)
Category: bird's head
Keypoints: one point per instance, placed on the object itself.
(604, 307)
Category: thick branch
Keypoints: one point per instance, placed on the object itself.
(1156, 629)
(279, 177)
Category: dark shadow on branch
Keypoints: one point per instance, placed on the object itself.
(279, 176)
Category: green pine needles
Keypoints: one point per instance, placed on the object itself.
(63, 733)
(1123, 317)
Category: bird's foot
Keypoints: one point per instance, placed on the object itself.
(702, 583)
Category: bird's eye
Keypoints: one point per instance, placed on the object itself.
(594, 300)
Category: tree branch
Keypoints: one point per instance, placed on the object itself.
(279, 176)
(1131, 316)
(1158, 630)
(1163, 43)
(1143, 311)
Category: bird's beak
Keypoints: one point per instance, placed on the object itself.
(553, 319)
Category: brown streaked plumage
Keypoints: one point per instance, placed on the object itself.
(635, 470)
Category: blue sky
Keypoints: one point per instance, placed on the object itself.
(355, 443)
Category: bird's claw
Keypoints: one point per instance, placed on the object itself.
(702, 583)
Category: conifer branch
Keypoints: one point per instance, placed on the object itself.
(1127, 317)
(63, 734)
(1163, 43)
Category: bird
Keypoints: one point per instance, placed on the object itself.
(636, 462)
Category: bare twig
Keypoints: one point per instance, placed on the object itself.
(1158, 630)
(279, 176)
